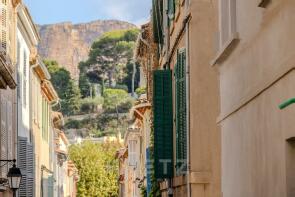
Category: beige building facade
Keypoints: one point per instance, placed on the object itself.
(256, 65)
(8, 112)
(186, 38)
(44, 96)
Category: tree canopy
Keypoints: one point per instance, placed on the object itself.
(109, 58)
(66, 88)
(98, 168)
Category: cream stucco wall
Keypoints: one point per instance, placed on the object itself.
(204, 133)
(256, 77)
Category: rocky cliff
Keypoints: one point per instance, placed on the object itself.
(69, 43)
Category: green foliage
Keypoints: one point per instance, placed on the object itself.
(129, 72)
(89, 105)
(109, 58)
(98, 168)
(84, 85)
(140, 91)
(60, 77)
(73, 124)
(118, 86)
(71, 99)
(143, 191)
(115, 98)
(65, 87)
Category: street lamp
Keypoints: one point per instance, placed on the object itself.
(14, 176)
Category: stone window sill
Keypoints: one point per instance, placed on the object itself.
(226, 50)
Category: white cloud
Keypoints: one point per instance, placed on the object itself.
(135, 11)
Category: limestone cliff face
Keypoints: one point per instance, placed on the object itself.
(69, 43)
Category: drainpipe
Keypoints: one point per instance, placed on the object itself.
(287, 103)
(187, 4)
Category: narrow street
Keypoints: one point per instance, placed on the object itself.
(149, 98)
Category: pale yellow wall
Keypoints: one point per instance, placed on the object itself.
(42, 150)
(256, 77)
(204, 99)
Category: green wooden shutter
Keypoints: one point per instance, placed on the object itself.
(171, 11)
(181, 113)
(163, 124)
(157, 13)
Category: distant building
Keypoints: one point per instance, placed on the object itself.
(65, 171)
(43, 98)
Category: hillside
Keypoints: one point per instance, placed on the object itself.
(69, 43)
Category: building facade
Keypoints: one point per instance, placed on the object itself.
(8, 85)
(65, 171)
(43, 98)
(255, 62)
(27, 41)
(186, 99)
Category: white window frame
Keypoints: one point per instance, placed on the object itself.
(132, 155)
(227, 16)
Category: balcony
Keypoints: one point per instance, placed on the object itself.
(6, 71)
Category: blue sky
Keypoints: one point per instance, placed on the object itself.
(78, 11)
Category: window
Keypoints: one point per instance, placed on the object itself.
(25, 78)
(171, 11)
(157, 14)
(132, 153)
(18, 70)
(227, 22)
(290, 167)
(181, 112)
(45, 119)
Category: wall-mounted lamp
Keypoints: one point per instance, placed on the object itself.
(14, 176)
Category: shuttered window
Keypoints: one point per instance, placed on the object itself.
(163, 124)
(18, 70)
(181, 113)
(22, 163)
(157, 13)
(171, 11)
(26, 164)
(25, 80)
(45, 119)
(132, 153)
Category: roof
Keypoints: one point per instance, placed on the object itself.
(26, 25)
(41, 70)
(49, 91)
